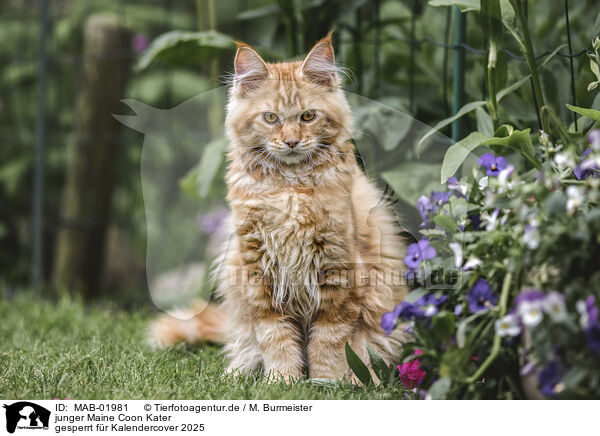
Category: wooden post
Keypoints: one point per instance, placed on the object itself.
(94, 156)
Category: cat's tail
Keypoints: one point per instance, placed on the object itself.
(204, 322)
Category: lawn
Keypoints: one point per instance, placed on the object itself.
(68, 349)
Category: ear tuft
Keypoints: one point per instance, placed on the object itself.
(319, 65)
(250, 68)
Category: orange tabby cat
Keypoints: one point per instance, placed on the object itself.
(313, 247)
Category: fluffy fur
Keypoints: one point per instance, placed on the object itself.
(315, 256)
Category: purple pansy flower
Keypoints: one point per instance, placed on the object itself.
(492, 164)
(581, 172)
(429, 304)
(438, 199)
(425, 207)
(410, 311)
(417, 252)
(458, 309)
(592, 337)
(528, 306)
(388, 322)
(588, 311)
(592, 309)
(452, 182)
(475, 219)
(529, 295)
(554, 306)
(548, 379)
(456, 187)
(505, 175)
(481, 297)
(389, 319)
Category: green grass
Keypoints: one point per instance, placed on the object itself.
(66, 349)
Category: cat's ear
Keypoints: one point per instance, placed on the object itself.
(250, 69)
(319, 64)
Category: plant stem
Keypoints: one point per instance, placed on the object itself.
(529, 54)
(287, 9)
(459, 72)
(207, 20)
(497, 340)
(492, 95)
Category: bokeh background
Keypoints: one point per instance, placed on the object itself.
(72, 215)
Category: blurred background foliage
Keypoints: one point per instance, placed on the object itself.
(398, 52)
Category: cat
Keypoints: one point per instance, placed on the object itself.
(312, 241)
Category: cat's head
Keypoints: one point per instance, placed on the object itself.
(290, 115)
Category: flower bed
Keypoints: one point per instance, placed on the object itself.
(506, 270)
(524, 247)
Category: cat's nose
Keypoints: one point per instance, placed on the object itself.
(291, 142)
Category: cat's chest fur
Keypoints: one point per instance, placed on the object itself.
(294, 227)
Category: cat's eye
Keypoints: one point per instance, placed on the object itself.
(270, 117)
(307, 116)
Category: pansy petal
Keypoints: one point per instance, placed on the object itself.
(485, 160)
(500, 162)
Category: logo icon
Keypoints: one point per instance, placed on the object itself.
(26, 415)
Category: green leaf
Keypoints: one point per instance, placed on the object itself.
(485, 124)
(555, 204)
(584, 123)
(551, 119)
(443, 325)
(358, 367)
(197, 182)
(469, 107)
(461, 331)
(413, 179)
(380, 122)
(415, 294)
(152, 86)
(464, 5)
(519, 140)
(508, 13)
(456, 154)
(593, 216)
(594, 68)
(440, 388)
(590, 113)
(509, 89)
(573, 377)
(433, 233)
(185, 49)
(379, 366)
(394, 11)
(259, 12)
(446, 223)
(491, 21)
(504, 131)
